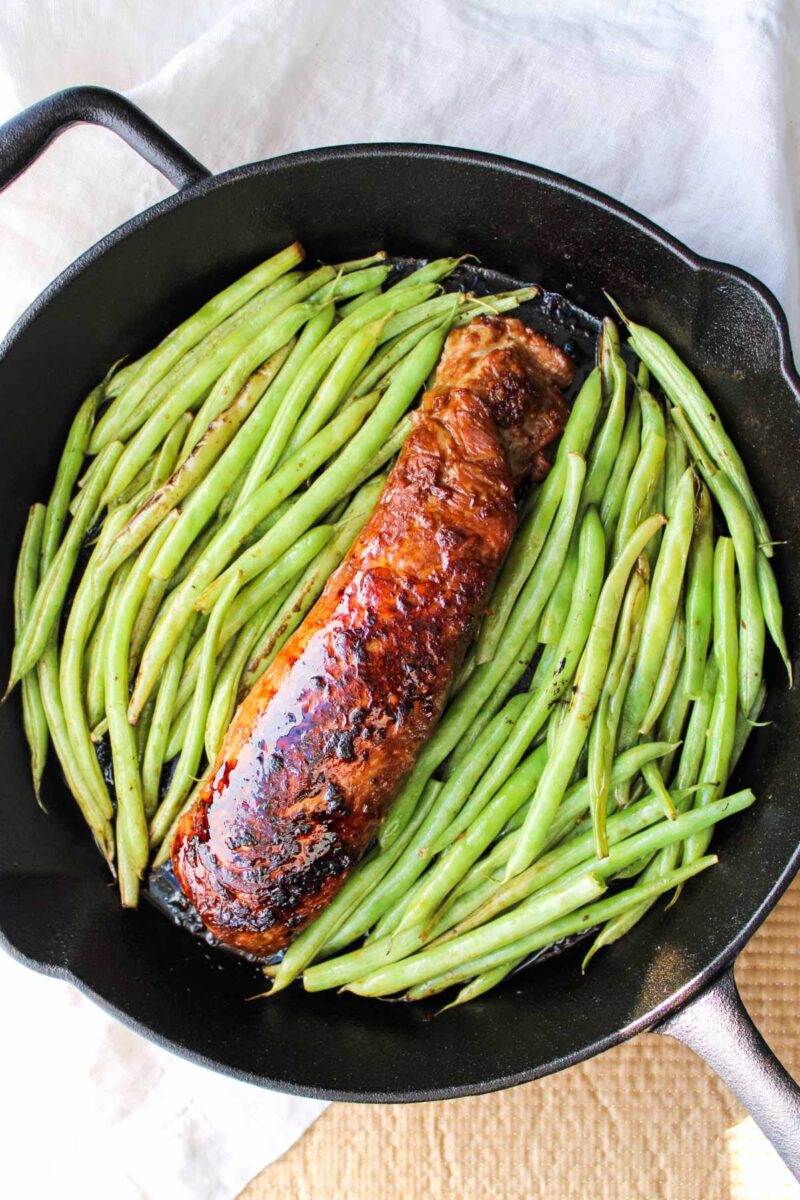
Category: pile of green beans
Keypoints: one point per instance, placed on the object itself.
(207, 491)
(640, 569)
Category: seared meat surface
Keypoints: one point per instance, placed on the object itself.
(322, 745)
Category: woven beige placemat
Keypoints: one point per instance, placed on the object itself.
(646, 1121)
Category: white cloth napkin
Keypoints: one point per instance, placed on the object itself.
(686, 109)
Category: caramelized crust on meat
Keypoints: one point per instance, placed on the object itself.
(322, 745)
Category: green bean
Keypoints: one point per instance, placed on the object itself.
(510, 677)
(86, 605)
(491, 680)
(683, 389)
(69, 468)
(603, 732)
(313, 334)
(375, 955)
(322, 493)
(600, 464)
(666, 859)
(662, 605)
(609, 439)
(148, 611)
(531, 536)
(355, 283)
(486, 873)
(355, 354)
(52, 589)
(305, 592)
(461, 784)
(122, 372)
(163, 853)
(33, 714)
(303, 463)
(722, 728)
(273, 299)
(676, 460)
(773, 609)
(624, 463)
(481, 881)
(635, 833)
(223, 700)
(641, 485)
(667, 672)
(673, 718)
(393, 444)
(434, 271)
(392, 353)
(655, 781)
(542, 698)
(585, 695)
(694, 743)
(95, 675)
(253, 597)
(501, 302)
(459, 856)
(180, 723)
(211, 493)
(165, 460)
(97, 820)
(192, 749)
(548, 935)
(458, 794)
(631, 831)
(358, 264)
(317, 364)
(277, 580)
(220, 417)
(155, 747)
(132, 847)
(319, 934)
(156, 364)
(544, 907)
(653, 419)
(244, 349)
(751, 624)
(359, 301)
(698, 593)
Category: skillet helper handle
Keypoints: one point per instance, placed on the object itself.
(24, 137)
(717, 1026)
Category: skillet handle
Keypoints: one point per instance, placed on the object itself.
(716, 1025)
(24, 137)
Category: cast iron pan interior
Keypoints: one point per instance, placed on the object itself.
(58, 908)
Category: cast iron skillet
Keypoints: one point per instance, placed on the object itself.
(57, 910)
